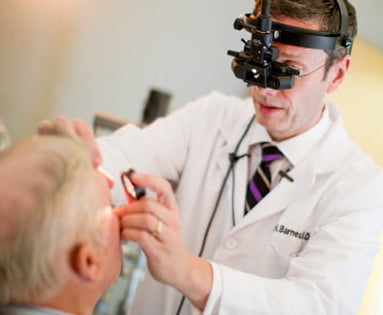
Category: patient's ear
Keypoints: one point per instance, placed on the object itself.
(85, 262)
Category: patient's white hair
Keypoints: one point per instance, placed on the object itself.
(47, 204)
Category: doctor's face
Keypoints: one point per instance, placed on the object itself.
(287, 113)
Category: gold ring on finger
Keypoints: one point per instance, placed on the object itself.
(158, 229)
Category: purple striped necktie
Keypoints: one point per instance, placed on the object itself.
(259, 185)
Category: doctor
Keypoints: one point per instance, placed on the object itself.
(308, 245)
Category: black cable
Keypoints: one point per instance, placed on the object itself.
(180, 305)
(233, 158)
(232, 198)
(233, 187)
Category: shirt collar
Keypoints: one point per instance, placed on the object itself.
(296, 148)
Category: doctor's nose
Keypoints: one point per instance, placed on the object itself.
(263, 91)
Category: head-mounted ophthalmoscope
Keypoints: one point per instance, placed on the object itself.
(257, 65)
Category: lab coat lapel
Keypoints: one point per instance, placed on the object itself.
(230, 139)
(240, 168)
(222, 157)
(281, 195)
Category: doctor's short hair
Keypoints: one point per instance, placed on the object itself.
(326, 11)
(47, 204)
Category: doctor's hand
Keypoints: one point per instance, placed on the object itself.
(77, 129)
(155, 225)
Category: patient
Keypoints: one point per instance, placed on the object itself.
(59, 239)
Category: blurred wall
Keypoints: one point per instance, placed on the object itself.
(75, 57)
(36, 40)
(360, 101)
(360, 98)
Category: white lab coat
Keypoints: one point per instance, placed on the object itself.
(307, 247)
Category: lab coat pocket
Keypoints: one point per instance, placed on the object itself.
(286, 244)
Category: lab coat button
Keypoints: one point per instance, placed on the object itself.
(231, 243)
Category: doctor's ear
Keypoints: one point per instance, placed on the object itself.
(337, 73)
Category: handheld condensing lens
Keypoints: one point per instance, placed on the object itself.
(132, 192)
